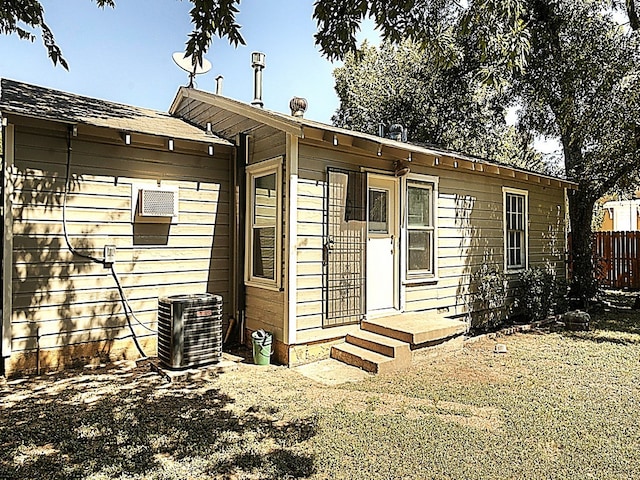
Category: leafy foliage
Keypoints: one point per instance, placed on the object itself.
(572, 68)
(212, 18)
(209, 17)
(581, 85)
(438, 103)
(539, 294)
(489, 297)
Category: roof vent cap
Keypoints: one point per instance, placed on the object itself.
(397, 132)
(298, 106)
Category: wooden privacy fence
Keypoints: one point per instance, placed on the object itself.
(616, 257)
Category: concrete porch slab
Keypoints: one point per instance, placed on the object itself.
(416, 328)
(331, 372)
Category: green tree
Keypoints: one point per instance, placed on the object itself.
(581, 85)
(439, 104)
(426, 22)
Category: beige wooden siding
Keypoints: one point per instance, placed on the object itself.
(72, 300)
(470, 232)
(266, 308)
(265, 142)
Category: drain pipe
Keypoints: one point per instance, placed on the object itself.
(242, 162)
(38, 351)
(258, 64)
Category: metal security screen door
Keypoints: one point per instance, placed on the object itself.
(344, 264)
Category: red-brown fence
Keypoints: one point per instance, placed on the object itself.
(617, 259)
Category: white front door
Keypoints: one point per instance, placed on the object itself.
(382, 240)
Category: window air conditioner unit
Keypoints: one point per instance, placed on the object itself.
(157, 203)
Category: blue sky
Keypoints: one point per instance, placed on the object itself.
(124, 54)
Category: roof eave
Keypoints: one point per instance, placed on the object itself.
(400, 151)
(239, 108)
(211, 140)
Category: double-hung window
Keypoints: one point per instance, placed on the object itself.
(515, 229)
(264, 184)
(421, 193)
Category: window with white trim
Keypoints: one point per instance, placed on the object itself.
(420, 224)
(515, 229)
(264, 219)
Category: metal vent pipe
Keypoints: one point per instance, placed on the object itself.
(258, 64)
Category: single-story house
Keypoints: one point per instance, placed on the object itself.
(311, 232)
(621, 215)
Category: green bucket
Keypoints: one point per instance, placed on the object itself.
(261, 341)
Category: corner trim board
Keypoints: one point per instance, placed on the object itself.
(7, 240)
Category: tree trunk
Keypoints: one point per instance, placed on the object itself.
(583, 283)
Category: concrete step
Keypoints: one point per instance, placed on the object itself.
(381, 344)
(365, 359)
(415, 328)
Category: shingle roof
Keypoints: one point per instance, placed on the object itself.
(39, 102)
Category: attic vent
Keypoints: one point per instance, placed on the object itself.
(158, 203)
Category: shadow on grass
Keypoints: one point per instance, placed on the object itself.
(617, 326)
(99, 427)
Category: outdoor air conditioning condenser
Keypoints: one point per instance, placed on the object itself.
(189, 330)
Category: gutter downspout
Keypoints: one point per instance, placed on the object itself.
(241, 161)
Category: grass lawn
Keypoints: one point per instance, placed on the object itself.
(557, 405)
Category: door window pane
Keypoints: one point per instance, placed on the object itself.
(378, 213)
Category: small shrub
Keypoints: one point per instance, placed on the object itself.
(539, 294)
(489, 295)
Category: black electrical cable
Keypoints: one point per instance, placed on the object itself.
(125, 301)
(64, 205)
(128, 311)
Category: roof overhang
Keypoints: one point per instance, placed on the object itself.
(434, 157)
(235, 107)
(336, 137)
(18, 99)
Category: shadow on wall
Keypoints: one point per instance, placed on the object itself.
(69, 300)
(479, 223)
(45, 272)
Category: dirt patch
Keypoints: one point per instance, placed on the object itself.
(382, 404)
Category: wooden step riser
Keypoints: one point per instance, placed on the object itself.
(388, 350)
(354, 360)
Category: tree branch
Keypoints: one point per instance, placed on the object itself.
(634, 20)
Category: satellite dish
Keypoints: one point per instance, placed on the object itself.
(185, 62)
